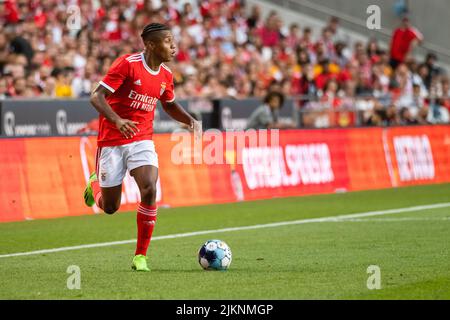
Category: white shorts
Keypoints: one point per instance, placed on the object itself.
(112, 162)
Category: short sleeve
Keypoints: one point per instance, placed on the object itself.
(116, 75)
(169, 95)
(415, 34)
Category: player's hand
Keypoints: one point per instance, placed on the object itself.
(127, 127)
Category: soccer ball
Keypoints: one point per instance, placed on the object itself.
(214, 255)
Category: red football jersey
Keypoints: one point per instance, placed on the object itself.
(135, 91)
(401, 41)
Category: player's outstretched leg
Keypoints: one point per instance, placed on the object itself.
(92, 191)
(107, 199)
(145, 177)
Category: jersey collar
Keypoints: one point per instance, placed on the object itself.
(148, 68)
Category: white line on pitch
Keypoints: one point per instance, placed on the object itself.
(256, 226)
(393, 219)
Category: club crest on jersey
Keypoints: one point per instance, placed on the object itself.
(163, 88)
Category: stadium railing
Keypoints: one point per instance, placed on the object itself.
(75, 117)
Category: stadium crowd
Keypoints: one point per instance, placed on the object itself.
(225, 49)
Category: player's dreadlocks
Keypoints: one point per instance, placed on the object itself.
(152, 28)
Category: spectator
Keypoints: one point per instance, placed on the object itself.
(377, 117)
(82, 84)
(305, 85)
(63, 86)
(325, 74)
(337, 33)
(49, 88)
(403, 86)
(213, 88)
(417, 101)
(269, 33)
(3, 89)
(404, 40)
(419, 77)
(223, 52)
(293, 38)
(330, 98)
(422, 116)
(342, 55)
(266, 116)
(445, 93)
(254, 20)
(438, 114)
(406, 118)
(433, 70)
(21, 46)
(373, 51)
(380, 82)
(328, 45)
(392, 116)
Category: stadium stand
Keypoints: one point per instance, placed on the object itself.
(226, 49)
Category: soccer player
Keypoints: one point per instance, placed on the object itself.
(126, 100)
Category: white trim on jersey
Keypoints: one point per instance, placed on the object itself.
(107, 86)
(166, 67)
(134, 56)
(147, 67)
(134, 60)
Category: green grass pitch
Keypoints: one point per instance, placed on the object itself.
(317, 260)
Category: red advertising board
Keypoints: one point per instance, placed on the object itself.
(45, 177)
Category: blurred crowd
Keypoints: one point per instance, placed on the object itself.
(62, 48)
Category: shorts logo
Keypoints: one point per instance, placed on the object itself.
(103, 176)
(163, 88)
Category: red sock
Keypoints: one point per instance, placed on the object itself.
(146, 218)
(97, 193)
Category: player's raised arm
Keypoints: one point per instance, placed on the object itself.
(98, 100)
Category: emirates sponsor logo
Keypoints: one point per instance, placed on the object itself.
(142, 101)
